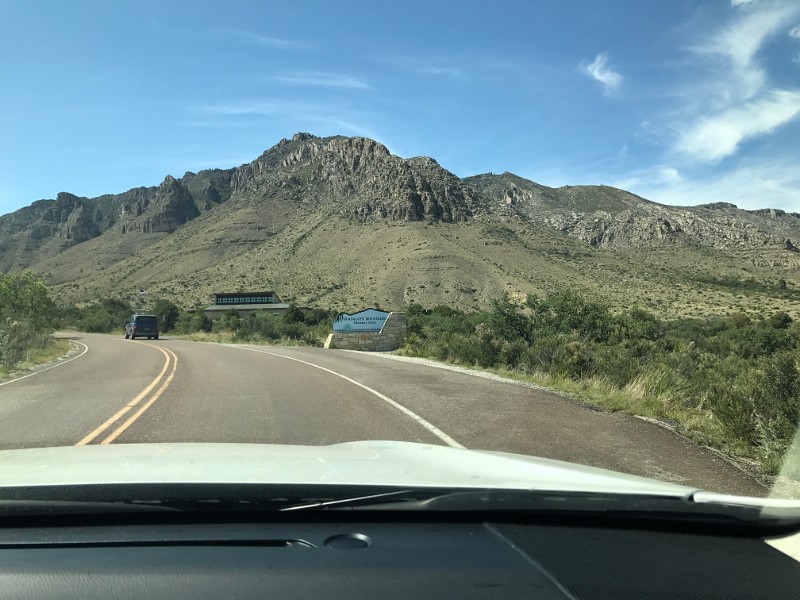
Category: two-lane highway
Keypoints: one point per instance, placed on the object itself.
(172, 390)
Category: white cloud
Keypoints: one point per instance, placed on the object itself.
(657, 177)
(733, 51)
(794, 32)
(598, 70)
(762, 183)
(321, 79)
(670, 175)
(732, 100)
(741, 2)
(744, 36)
(714, 137)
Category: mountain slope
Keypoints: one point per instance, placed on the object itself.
(342, 222)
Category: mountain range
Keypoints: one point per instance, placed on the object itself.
(340, 222)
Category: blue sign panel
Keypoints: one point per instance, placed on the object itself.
(365, 320)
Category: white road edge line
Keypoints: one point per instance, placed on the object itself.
(474, 372)
(409, 413)
(85, 350)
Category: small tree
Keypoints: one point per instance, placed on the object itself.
(293, 314)
(507, 323)
(167, 313)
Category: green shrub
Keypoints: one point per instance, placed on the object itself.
(18, 339)
(737, 375)
(293, 314)
(512, 354)
(106, 316)
(573, 359)
(507, 323)
(616, 364)
(191, 322)
(27, 317)
(167, 313)
(541, 354)
(728, 388)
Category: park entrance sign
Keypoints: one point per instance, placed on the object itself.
(368, 330)
(365, 320)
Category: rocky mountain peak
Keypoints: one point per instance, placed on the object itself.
(167, 208)
(302, 137)
(359, 180)
(356, 177)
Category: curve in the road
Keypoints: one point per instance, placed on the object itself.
(170, 358)
(409, 413)
(58, 364)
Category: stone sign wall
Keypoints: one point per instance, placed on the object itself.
(391, 336)
(366, 320)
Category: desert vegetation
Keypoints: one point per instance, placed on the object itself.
(731, 382)
(27, 320)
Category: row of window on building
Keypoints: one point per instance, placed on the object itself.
(246, 298)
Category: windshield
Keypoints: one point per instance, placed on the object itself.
(375, 243)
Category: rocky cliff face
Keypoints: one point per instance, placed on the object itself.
(48, 227)
(165, 209)
(610, 218)
(360, 180)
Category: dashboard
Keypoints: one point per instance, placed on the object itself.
(385, 558)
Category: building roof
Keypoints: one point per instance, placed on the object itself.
(228, 294)
(227, 307)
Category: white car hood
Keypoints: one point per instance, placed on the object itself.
(380, 463)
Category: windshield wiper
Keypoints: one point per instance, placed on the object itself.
(447, 503)
(369, 501)
(621, 507)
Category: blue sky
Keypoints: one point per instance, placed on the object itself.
(680, 101)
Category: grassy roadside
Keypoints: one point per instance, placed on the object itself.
(695, 424)
(227, 336)
(731, 383)
(55, 349)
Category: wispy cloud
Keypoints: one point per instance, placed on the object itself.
(656, 177)
(445, 71)
(760, 183)
(260, 40)
(322, 79)
(733, 99)
(732, 50)
(318, 117)
(669, 175)
(599, 71)
(794, 32)
(741, 2)
(717, 136)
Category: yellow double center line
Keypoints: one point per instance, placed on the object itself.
(170, 359)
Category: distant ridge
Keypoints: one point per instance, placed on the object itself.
(335, 219)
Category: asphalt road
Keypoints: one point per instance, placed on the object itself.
(170, 390)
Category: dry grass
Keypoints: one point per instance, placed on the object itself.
(694, 423)
(334, 263)
(39, 356)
